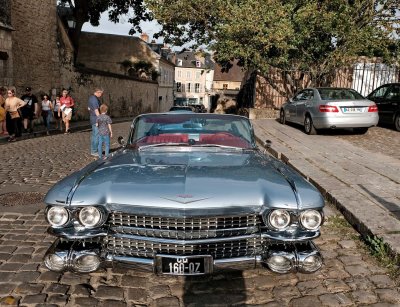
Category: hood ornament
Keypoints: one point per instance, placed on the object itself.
(184, 198)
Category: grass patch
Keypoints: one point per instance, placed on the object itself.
(382, 252)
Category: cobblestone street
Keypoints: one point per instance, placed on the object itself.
(350, 276)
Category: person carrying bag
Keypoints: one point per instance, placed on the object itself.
(12, 106)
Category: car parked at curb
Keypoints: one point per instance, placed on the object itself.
(181, 109)
(330, 108)
(387, 99)
(187, 194)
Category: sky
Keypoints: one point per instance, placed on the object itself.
(121, 28)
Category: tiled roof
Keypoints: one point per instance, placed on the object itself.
(189, 59)
(234, 73)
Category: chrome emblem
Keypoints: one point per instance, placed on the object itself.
(183, 198)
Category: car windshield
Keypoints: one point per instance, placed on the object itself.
(192, 129)
(339, 93)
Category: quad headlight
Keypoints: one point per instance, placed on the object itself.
(90, 216)
(279, 219)
(54, 262)
(57, 216)
(87, 263)
(311, 219)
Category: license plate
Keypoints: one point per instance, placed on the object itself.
(353, 110)
(184, 265)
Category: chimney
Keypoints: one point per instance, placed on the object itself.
(144, 37)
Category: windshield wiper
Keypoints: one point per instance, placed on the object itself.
(218, 146)
(162, 144)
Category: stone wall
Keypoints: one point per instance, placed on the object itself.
(35, 49)
(6, 57)
(124, 96)
(43, 60)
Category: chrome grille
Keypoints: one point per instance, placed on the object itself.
(146, 249)
(122, 219)
(184, 228)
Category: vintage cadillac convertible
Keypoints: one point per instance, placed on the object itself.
(186, 194)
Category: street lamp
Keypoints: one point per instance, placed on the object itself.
(71, 22)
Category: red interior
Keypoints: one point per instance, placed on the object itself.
(217, 139)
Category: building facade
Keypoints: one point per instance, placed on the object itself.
(193, 73)
(165, 84)
(228, 80)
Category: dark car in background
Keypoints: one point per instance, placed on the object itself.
(181, 108)
(387, 99)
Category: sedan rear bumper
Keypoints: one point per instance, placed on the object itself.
(348, 121)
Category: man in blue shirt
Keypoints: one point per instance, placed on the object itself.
(93, 107)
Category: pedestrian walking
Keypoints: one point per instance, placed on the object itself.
(56, 114)
(46, 112)
(30, 110)
(103, 123)
(3, 112)
(12, 106)
(93, 107)
(66, 105)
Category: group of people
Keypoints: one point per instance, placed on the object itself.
(17, 115)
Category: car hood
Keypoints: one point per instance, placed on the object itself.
(166, 182)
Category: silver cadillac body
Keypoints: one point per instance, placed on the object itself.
(187, 194)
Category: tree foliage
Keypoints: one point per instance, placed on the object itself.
(313, 35)
(90, 11)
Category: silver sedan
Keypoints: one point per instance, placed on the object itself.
(330, 108)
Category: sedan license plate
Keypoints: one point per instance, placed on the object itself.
(183, 265)
(352, 110)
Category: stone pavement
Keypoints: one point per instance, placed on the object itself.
(350, 276)
(364, 184)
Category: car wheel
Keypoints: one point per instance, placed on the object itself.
(397, 122)
(360, 130)
(282, 118)
(309, 126)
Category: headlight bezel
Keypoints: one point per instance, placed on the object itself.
(58, 225)
(273, 212)
(308, 211)
(98, 223)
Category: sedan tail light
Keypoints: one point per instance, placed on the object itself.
(326, 108)
(373, 108)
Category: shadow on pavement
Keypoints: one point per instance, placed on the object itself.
(225, 289)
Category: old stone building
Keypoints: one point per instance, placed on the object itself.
(117, 53)
(6, 55)
(35, 51)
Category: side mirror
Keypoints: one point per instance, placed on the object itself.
(267, 144)
(121, 140)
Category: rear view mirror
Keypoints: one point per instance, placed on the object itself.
(121, 141)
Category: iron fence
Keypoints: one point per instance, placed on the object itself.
(273, 90)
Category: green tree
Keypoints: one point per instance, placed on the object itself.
(317, 36)
(90, 11)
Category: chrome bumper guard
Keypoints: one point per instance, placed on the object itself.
(84, 257)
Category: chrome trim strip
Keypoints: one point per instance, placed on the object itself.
(303, 236)
(72, 234)
(182, 234)
(220, 264)
(185, 242)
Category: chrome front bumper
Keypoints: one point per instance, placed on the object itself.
(84, 257)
